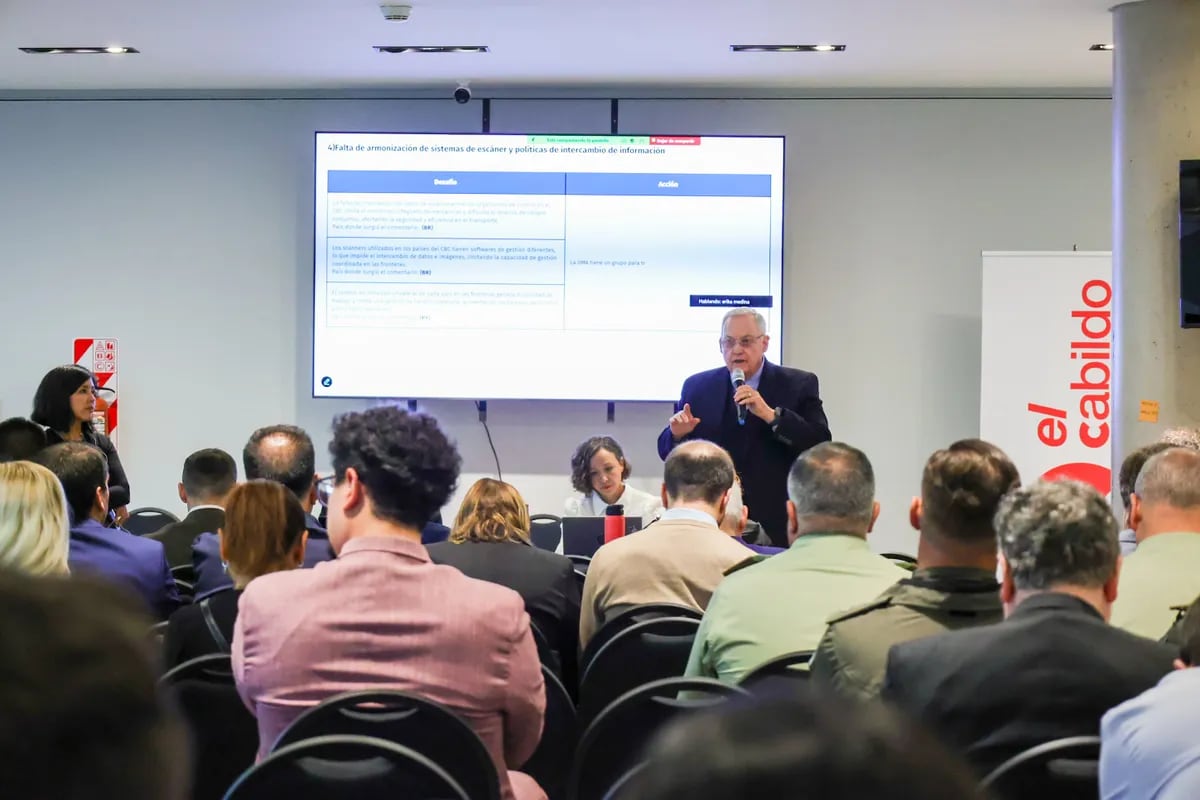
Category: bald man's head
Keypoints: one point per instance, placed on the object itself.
(1170, 478)
(697, 471)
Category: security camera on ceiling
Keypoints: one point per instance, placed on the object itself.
(395, 13)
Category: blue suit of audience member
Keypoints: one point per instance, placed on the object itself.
(131, 561)
(210, 570)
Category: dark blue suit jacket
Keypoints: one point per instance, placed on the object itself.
(135, 562)
(212, 577)
(210, 570)
(762, 454)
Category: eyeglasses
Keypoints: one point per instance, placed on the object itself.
(325, 490)
(728, 342)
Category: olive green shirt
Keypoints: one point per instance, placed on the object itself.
(852, 656)
(779, 605)
(1163, 572)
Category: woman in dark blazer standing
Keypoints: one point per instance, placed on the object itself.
(264, 532)
(63, 404)
(489, 541)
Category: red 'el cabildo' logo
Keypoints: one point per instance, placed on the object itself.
(1089, 424)
(1095, 475)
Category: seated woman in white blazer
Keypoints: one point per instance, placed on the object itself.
(598, 473)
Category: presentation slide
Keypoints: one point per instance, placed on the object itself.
(487, 266)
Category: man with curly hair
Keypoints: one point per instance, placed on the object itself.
(382, 615)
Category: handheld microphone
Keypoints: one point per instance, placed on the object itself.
(739, 379)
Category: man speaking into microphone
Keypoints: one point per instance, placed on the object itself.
(763, 414)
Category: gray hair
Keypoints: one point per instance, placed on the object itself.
(1171, 477)
(1057, 533)
(734, 506)
(759, 319)
(1182, 437)
(833, 480)
(698, 470)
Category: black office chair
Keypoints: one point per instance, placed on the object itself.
(631, 616)
(148, 520)
(613, 744)
(625, 782)
(157, 631)
(902, 560)
(184, 572)
(581, 562)
(642, 653)
(426, 727)
(580, 579)
(545, 531)
(346, 768)
(1064, 769)
(223, 734)
(550, 764)
(779, 674)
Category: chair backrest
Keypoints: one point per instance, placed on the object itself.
(184, 572)
(613, 743)
(1065, 769)
(148, 520)
(780, 673)
(550, 764)
(581, 562)
(427, 727)
(223, 733)
(642, 653)
(346, 768)
(625, 782)
(545, 531)
(624, 619)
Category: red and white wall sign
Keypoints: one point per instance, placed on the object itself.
(1047, 368)
(100, 356)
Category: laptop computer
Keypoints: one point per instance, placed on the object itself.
(582, 536)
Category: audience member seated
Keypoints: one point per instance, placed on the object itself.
(34, 531)
(64, 403)
(20, 439)
(208, 477)
(803, 746)
(381, 615)
(780, 604)
(1149, 749)
(679, 559)
(954, 585)
(598, 473)
(1182, 437)
(1164, 571)
(490, 542)
(1054, 666)
(80, 714)
(280, 453)
(262, 531)
(736, 524)
(137, 563)
(1131, 467)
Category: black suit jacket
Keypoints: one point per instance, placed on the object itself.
(187, 634)
(546, 582)
(1050, 670)
(177, 537)
(761, 454)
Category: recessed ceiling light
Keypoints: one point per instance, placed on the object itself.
(413, 48)
(787, 48)
(1102, 47)
(78, 51)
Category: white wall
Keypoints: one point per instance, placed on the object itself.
(184, 228)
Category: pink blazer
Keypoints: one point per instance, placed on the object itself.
(382, 616)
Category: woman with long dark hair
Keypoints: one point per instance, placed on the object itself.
(63, 404)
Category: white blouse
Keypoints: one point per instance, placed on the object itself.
(636, 503)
